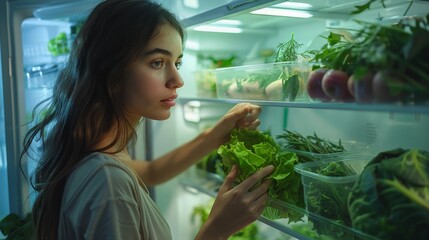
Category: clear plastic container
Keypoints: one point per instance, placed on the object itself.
(327, 184)
(283, 81)
(351, 148)
(206, 83)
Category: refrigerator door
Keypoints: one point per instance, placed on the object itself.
(29, 70)
(4, 190)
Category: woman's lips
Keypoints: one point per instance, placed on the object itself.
(170, 102)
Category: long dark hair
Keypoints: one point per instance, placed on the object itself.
(88, 99)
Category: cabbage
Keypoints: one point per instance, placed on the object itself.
(251, 150)
(391, 198)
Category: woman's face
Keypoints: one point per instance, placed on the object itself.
(152, 81)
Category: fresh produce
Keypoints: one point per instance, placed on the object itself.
(391, 198)
(308, 147)
(284, 81)
(291, 82)
(366, 6)
(362, 88)
(314, 85)
(221, 62)
(206, 83)
(399, 50)
(274, 91)
(210, 162)
(381, 90)
(250, 232)
(58, 45)
(253, 90)
(252, 85)
(13, 226)
(235, 90)
(334, 85)
(308, 231)
(329, 198)
(251, 150)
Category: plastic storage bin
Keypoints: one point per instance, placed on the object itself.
(327, 184)
(284, 81)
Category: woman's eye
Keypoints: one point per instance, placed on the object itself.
(178, 65)
(157, 64)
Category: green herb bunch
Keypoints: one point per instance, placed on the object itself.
(308, 145)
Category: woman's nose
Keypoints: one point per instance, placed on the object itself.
(175, 80)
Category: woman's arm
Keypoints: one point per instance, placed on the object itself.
(178, 160)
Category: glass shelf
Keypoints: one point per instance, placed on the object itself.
(394, 108)
(196, 179)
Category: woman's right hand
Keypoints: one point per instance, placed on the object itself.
(236, 207)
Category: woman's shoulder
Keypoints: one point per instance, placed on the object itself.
(100, 175)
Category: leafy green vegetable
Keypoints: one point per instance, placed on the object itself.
(311, 144)
(249, 232)
(306, 230)
(290, 87)
(209, 162)
(15, 228)
(329, 199)
(391, 198)
(251, 150)
(58, 45)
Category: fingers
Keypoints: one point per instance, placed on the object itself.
(261, 201)
(253, 125)
(248, 116)
(255, 178)
(261, 190)
(253, 113)
(229, 180)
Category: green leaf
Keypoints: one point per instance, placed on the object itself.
(366, 6)
(252, 150)
(334, 38)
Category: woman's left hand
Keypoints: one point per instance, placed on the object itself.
(241, 115)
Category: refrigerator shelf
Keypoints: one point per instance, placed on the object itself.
(393, 108)
(197, 180)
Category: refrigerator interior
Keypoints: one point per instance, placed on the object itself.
(380, 131)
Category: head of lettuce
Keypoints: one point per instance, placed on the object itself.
(251, 150)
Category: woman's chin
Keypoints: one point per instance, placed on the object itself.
(159, 117)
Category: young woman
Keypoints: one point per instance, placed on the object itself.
(123, 67)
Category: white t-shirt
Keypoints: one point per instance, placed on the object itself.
(103, 200)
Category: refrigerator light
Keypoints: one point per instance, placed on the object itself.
(294, 5)
(228, 22)
(283, 12)
(209, 28)
(192, 45)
